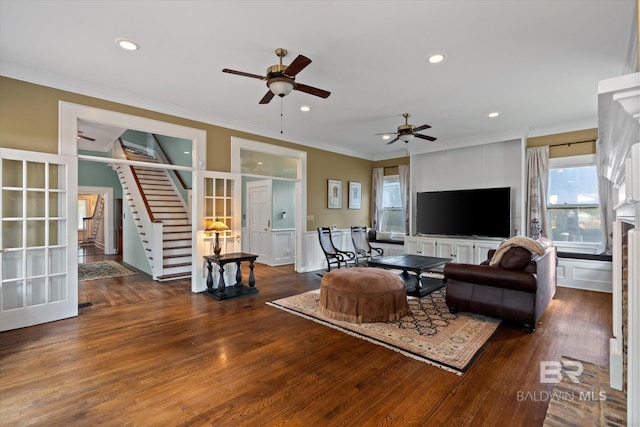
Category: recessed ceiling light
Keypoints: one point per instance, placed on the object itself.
(186, 152)
(436, 58)
(493, 114)
(305, 108)
(127, 44)
(386, 136)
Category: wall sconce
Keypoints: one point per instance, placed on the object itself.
(284, 215)
(216, 226)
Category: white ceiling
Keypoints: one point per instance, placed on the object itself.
(537, 62)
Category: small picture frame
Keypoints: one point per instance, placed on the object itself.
(355, 195)
(334, 194)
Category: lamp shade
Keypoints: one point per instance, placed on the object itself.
(406, 137)
(280, 86)
(216, 226)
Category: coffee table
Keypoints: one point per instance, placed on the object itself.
(417, 264)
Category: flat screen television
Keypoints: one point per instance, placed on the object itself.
(484, 212)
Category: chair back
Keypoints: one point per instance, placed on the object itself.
(360, 239)
(324, 235)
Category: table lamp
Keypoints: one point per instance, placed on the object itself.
(217, 226)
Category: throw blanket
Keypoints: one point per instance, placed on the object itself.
(534, 246)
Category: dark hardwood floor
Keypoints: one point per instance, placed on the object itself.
(150, 353)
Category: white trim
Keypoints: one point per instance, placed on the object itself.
(300, 187)
(69, 114)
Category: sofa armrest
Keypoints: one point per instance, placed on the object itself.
(486, 275)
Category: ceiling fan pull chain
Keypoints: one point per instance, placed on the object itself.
(281, 115)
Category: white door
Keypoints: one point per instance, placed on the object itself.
(259, 218)
(38, 240)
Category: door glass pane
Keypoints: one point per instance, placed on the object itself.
(35, 204)
(219, 211)
(57, 205)
(57, 260)
(57, 177)
(208, 207)
(12, 234)
(12, 265)
(219, 188)
(36, 265)
(11, 204)
(11, 173)
(208, 187)
(57, 235)
(36, 175)
(36, 291)
(35, 233)
(57, 288)
(12, 295)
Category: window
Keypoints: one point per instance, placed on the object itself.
(573, 203)
(392, 216)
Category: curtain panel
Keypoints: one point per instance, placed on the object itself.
(377, 186)
(403, 177)
(537, 185)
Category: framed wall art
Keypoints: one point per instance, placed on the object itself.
(334, 194)
(355, 195)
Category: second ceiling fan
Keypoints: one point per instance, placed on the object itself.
(407, 132)
(281, 78)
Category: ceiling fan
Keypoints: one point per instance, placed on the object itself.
(281, 78)
(406, 132)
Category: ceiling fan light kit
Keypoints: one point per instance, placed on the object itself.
(281, 78)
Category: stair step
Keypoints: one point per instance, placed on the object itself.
(174, 276)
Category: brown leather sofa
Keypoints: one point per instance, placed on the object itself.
(517, 290)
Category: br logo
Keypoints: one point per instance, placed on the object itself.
(552, 371)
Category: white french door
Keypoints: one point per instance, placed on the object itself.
(38, 240)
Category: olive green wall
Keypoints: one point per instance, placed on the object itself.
(29, 121)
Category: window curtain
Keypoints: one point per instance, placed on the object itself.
(607, 216)
(377, 186)
(537, 185)
(403, 177)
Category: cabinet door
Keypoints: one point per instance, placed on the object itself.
(463, 252)
(445, 249)
(481, 249)
(428, 247)
(411, 246)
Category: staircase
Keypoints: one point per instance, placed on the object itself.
(158, 210)
(93, 222)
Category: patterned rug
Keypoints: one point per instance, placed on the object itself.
(102, 270)
(430, 333)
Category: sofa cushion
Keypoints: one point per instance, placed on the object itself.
(533, 246)
(516, 258)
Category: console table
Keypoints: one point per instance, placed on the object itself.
(417, 264)
(222, 292)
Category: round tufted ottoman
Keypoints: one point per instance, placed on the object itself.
(363, 295)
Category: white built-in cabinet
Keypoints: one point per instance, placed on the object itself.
(467, 251)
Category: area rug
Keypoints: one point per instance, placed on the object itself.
(588, 402)
(102, 270)
(430, 333)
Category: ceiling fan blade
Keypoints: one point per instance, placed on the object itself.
(267, 98)
(423, 127)
(242, 73)
(386, 133)
(86, 137)
(312, 90)
(393, 140)
(297, 65)
(428, 138)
